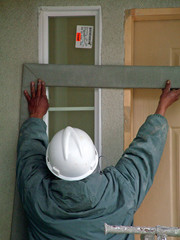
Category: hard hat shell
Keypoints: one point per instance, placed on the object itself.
(71, 154)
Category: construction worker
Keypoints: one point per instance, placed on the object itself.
(63, 195)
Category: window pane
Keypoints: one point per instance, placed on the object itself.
(81, 119)
(62, 36)
(71, 97)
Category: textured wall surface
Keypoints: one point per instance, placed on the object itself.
(19, 44)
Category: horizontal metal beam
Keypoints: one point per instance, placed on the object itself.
(102, 76)
(158, 230)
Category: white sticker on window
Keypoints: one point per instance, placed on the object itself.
(84, 36)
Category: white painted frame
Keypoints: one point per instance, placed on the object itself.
(43, 46)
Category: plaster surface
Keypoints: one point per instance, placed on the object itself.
(19, 45)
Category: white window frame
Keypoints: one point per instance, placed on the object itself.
(43, 47)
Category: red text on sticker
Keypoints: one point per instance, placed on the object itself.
(78, 36)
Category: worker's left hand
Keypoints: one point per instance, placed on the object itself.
(167, 98)
(37, 102)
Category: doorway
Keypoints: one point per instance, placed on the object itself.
(152, 39)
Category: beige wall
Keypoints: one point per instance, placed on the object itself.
(19, 44)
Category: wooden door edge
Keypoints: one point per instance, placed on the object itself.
(128, 93)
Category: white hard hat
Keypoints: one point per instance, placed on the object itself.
(71, 154)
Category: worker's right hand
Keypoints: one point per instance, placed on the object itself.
(167, 98)
(37, 102)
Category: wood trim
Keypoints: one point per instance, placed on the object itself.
(129, 38)
(128, 116)
(128, 93)
(155, 14)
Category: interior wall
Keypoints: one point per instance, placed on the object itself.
(18, 45)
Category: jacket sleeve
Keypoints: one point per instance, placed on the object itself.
(140, 161)
(31, 153)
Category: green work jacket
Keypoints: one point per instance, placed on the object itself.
(77, 210)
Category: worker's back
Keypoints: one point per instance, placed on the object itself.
(59, 209)
(78, 210)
